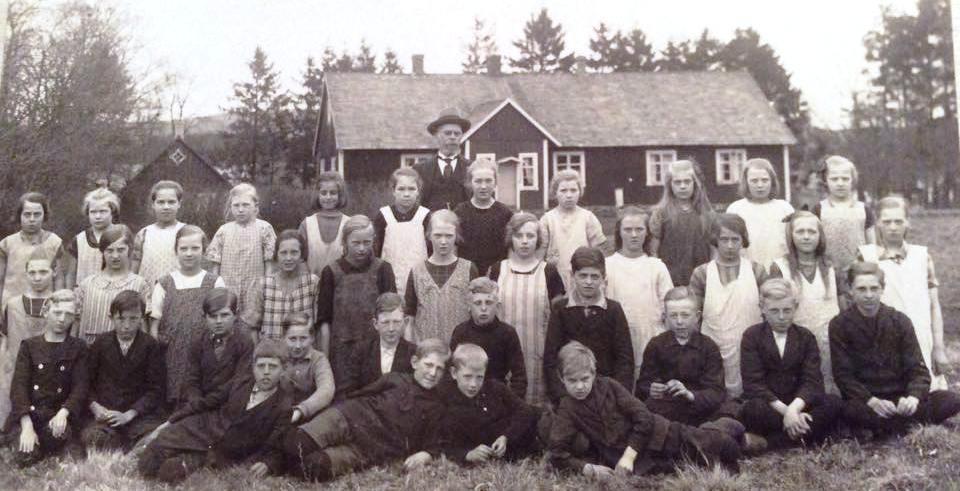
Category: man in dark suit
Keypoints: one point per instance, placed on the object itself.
(444, 175)
(127, 377)
(782, 381)
(877, 363)
(387, 352)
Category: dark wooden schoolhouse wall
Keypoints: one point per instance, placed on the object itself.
(205, 192)
(509, 134)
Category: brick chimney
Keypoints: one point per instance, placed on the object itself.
(493, 65)
(418, 64)
(580, 65)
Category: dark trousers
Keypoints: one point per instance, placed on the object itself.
(169, 465)
(683, 411)
(759, 418)
(101, 435)
(47, 444)
(934, 408)
(324, 450)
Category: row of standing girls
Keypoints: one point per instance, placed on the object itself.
(335, 266)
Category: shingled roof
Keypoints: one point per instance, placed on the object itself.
(373, 111)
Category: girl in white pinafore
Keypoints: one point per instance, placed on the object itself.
(731, 303)
(403, 244)
(762, 211)
(806, 265)
(847, 222)
(907, 282)
(323, 231)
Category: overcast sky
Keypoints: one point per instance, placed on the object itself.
(208, 42)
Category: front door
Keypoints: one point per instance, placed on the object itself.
(507, 182)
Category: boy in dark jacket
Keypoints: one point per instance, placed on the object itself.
(127, 375)
(484, 420)
(387, 352)
(498, 339)
(782, 382)
(244, 426)
(624, 436)
(49, 387)
(681, 377)
(588, 317)
(393, 418)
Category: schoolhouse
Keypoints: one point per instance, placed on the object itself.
(615, 129)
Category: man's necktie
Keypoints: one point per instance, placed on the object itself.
(447, 167)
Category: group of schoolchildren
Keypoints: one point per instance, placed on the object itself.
(449, 325)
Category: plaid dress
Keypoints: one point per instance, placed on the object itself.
(267, 304)
(241, 250)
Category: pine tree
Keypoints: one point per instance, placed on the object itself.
(603, 45)
(481, 46)
(390, 62)
(542, 46)
(305, 113)
(366, 59)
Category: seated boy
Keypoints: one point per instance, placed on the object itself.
(243, 427)
(587, 316)
(127, 376)
(393, 418)
(681, 376)
(217, 354)
(307, 376)
(620, 429)
(49, 387)
(484, 420)
(387, 352)
(877, 363)
(782, 381)
(498, 339)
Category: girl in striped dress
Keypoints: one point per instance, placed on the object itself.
(96, 293)
(527, 286)
(153, 249)
(241, 249)
(436, 294)
(102, 208)
(32, 212)
(290, 288)
(323, 231)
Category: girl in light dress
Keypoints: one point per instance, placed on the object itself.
(323, 231)
(568, 226)
(102, 208)
(401, 229)
(33, 212)
(762, 211)
(153, 248)
(847, 222)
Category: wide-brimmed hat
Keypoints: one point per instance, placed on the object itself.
(448, 116)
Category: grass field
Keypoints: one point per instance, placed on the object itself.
(928, 458)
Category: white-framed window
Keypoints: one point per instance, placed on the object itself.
(328, 164)
(729, 163)
(657, 161)
(529, 171)
(571, 160)
(409, 159)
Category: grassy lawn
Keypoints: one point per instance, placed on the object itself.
(928, 458)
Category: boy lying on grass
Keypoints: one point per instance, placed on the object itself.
(245, 427)
(624, 436)
(484, 419)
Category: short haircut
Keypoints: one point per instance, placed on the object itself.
(468, 353)
(731, 222)
(218, 299)
(837, 162)
(242, 189)
(174, 185)
(38, 254)
(574, 357)
(296, 319)
(632, 211)
(102, 195)
(865, 268)
(482, 164)
(127, 300)
(763, 164)
(112, 234)
(33, 197)
(269, 348)
(60, 296)
(444, 216)
(405, 172)
(386, 303)
(678, 293)
(482, 284)
(588, 257)
(189, 231)
(432, 346)
(893, 202)
(290, 234)
(353, 224)
(517, 221)
(779, 289)
(564, 175)
(336, 178)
